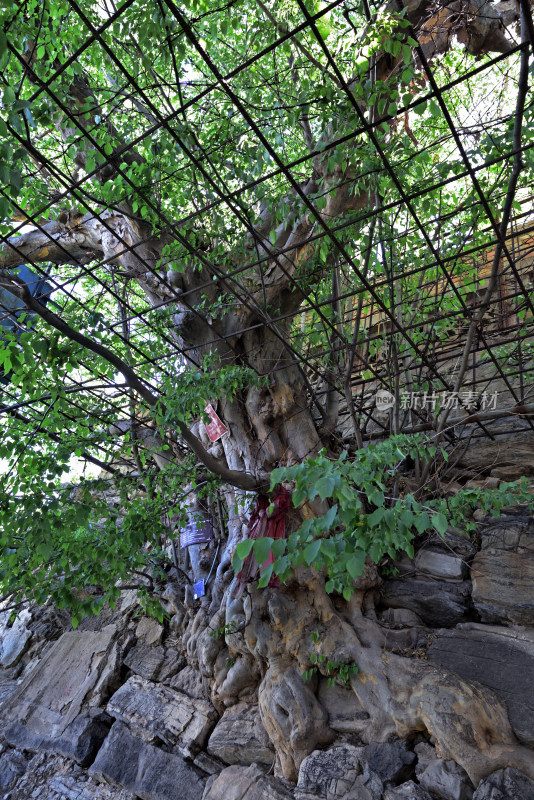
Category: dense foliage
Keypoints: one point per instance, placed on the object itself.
(364, 520)
(222, 199)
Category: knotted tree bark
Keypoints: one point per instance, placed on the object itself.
(280, 423)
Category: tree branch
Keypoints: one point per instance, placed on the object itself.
(55, 242)
(216, 466)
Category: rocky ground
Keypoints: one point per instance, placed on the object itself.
(212, 705)
(124, 707)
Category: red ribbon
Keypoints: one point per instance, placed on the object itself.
(276, 529)
(261, 525)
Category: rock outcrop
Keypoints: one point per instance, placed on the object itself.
(147, 771)
(503, 573)
(212, 705)
(502, 659)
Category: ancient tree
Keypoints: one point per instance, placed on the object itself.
(218, 199)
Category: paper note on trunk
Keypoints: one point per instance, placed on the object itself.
(216, 428)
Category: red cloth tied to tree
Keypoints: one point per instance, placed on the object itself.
(261, 525)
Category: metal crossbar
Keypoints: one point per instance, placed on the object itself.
(392, 347)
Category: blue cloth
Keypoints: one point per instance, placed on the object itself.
(39, 289)
(11, 308)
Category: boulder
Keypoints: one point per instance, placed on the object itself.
(373, 785)
(503, 573)
(145, 661)
(80, 740)
(451, 542)
(407, 791)
(189, 681)
(240, 738)
(425, 755)
(68, 788)
(512, 472)
(76, 671)
(391, 762)
(172, 597)
(501, 659)
(246, 783)
(331, 773)
(13, 764)
(505, 784)
(48, 623)
(14, 641)
(159, 712)
(7, 688)
(514, 449)
(437, 603)
(172, 664)
(447, 780)
(149, 631)
(444, 566)
(144, 770)
(208, 764)
(49, 777)
(401, 617)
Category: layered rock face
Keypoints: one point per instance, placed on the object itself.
(213, 706)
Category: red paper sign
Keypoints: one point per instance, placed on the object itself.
(216, 428)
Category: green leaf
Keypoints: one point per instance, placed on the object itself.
(311, 551)
(265, 576)
(422, 522)
(356, 564)
(440, 523)
(376, 551)
(376, 517)
(376, 497)
(278, 547)
(15, 179)
(8, 96)
(244, 548)
(420, 108)
(282, 566)
(406, 53)
(324, 487)
(327, 521)
(328, 549)
(5, 208)
(262, 548)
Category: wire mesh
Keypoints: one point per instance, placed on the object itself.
(425, 287)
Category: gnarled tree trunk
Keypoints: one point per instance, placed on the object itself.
(282, 423)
